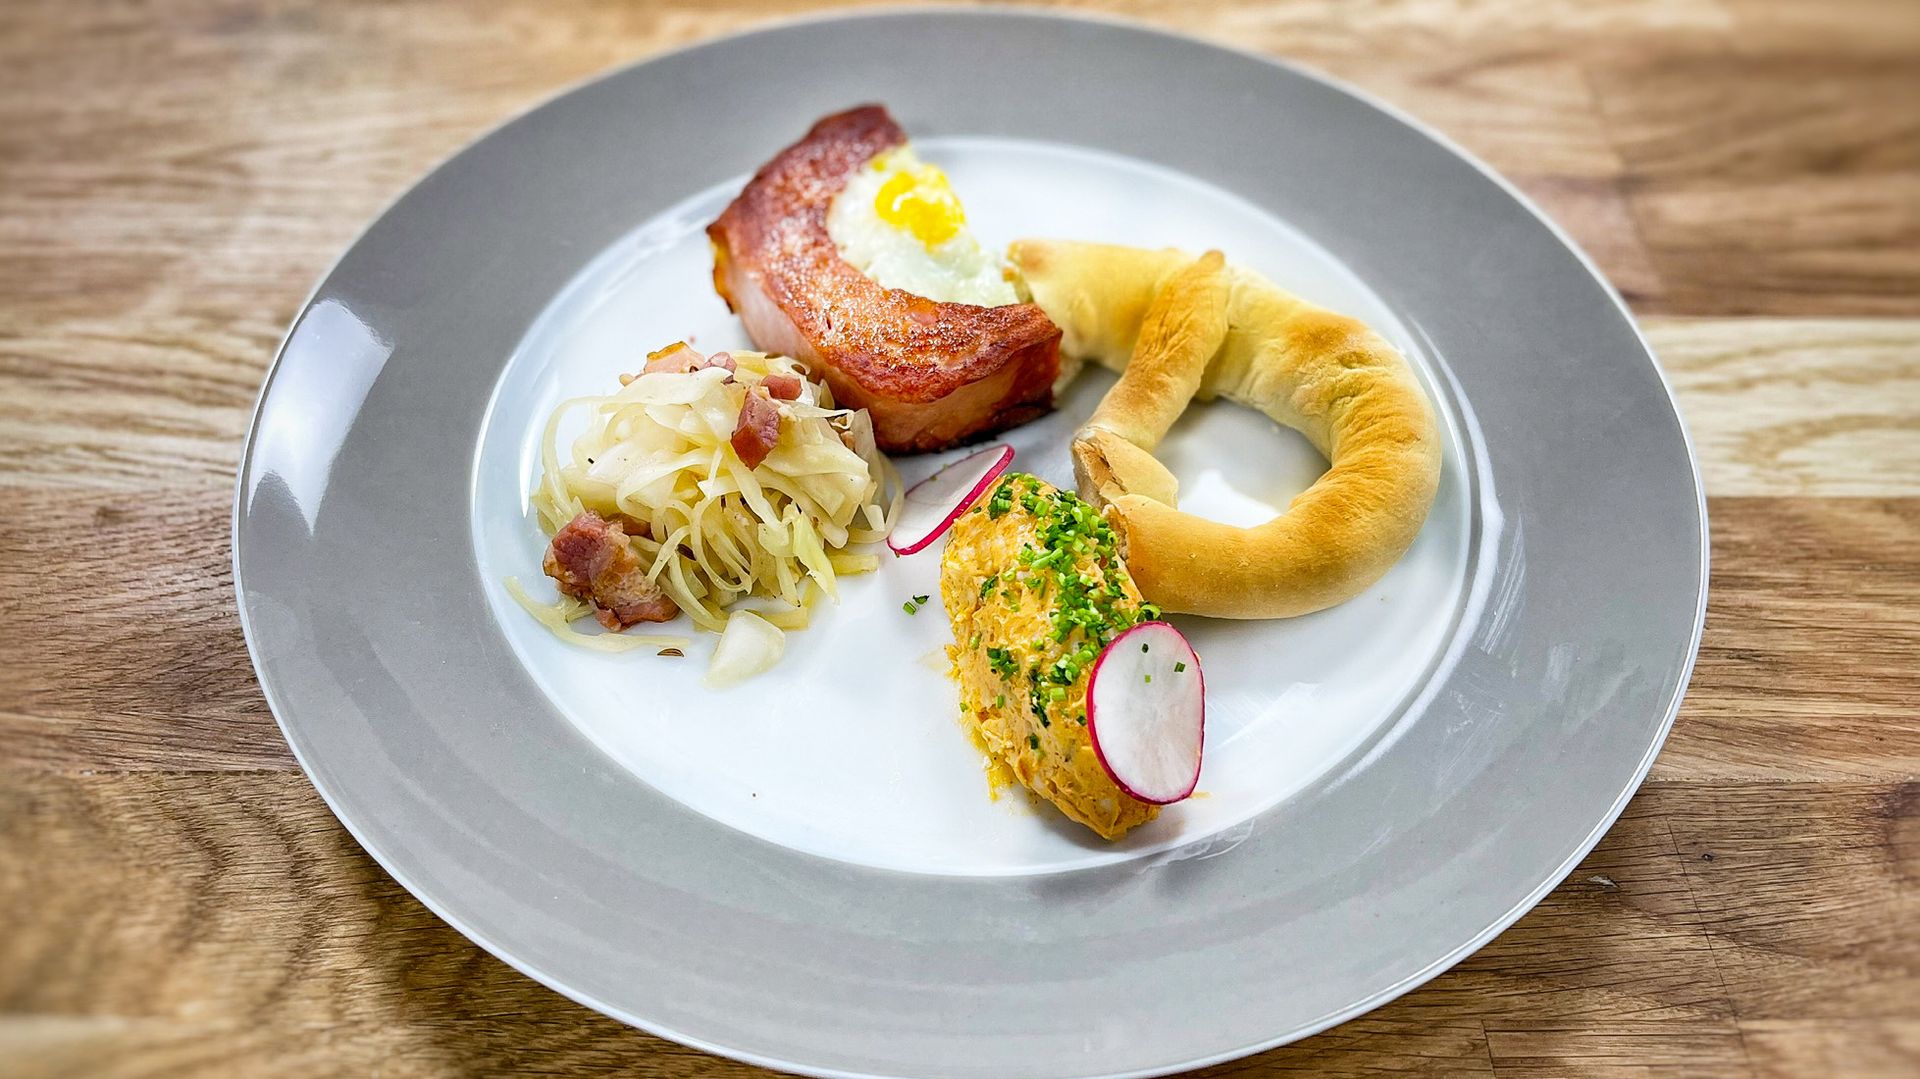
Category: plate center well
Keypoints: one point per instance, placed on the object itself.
(852, 748)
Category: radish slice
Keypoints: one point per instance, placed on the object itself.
(933, 504)
(1146, 713)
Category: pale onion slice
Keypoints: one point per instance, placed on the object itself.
(749, 645)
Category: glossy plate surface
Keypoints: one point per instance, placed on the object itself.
(806, 871)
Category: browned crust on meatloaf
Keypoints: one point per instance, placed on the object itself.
(932, 374)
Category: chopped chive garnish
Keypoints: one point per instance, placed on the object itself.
(1068, 559)
(1178, 667)
(1001, 662)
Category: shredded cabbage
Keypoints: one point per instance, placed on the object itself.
(659, 451)
(559, 617)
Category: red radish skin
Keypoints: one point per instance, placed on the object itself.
(1126, 647)
(923, 521)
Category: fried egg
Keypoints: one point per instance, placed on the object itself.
(899, 222)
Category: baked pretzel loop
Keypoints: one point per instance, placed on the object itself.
(1178, 329)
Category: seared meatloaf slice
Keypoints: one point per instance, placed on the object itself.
(931, 374)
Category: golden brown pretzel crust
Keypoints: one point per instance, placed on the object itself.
(1180, 332)
(1327, 376)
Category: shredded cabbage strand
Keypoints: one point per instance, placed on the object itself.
(659, 451)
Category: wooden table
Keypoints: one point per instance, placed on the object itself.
(174, 898)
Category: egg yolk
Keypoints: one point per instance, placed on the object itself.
(918, 200)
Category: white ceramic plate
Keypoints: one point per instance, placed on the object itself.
(808, 870)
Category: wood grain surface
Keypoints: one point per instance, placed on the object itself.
(175, 899)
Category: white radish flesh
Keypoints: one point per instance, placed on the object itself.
(1146, 713)
(932, 505)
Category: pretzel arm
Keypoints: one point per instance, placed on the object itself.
(1183, 328)
(1329, 377)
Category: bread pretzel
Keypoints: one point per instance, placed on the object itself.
(1176, 329)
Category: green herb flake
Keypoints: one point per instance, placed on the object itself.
(1179, 667)
(1001, 661)
(1033, 741)
(1001, 500)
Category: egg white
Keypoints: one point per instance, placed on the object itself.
(957, 270)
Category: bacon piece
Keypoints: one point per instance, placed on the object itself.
(632, 526)
(680, 358)
(659, 607)
(676, 359)
(591, 559)
(783, 387)
(932, 374)
(758, 430)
